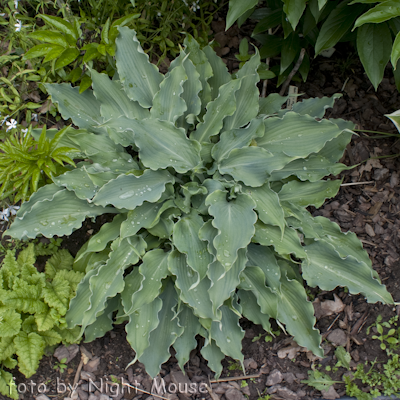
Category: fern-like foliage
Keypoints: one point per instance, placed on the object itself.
(32, 309)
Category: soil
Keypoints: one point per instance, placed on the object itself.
(368, 204)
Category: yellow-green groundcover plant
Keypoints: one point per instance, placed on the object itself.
(208, 186)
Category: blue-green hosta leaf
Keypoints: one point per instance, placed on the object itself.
(164, 228)
(140, 79)
(200, 61)
(153, 270)
(130, 191)
(248, 164)
(192, 292)
(220, 71)
(65, 214)
(271, 104)
(145, 216)
(228, 334)
(312, 169)
(10, 323)
(82, 108)
(309, 193)
(235, 223)
(269, 235)
(113, 100)
(297, 313)
(237, 138)
(213, 354)
(185, 343)
(325, 268)
(217, 110)
(297, 136)
(247, 103)
(251, 309)
(189, 190)
(140, 324)
(224, 283)
(268, 207)
(168, 104)
(98, 242)
(263, 257)
(29, 349)
(104, 322)
(165, 334)
(187, 241)
(334, 149)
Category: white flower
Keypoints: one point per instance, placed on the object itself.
(16, 3)
(5, 214)
(13, 210)
(18, 25)
(24, 131)
(11, 125)
(34, 117)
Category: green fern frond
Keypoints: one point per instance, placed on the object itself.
(10, 323)
(51, 337)
(7, 348)
(5, 388)
(24, 298)
(56, 294)
(47, 319)
(72, 277)
(9, 270)
(62, 260)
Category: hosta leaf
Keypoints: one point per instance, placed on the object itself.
(297, 136)
(57, 262)
(228, 334)
(82, 108)
(309, 193)
(268, 235)
(268, 206)
(56, 294)
(140, 78)
(193, 292)
(236, 139)
(213, 354)
(130, 191)
(66, 213)
(149, 275)
(185, 343)
(189, 190)
(251, 309)
(164, 228)
(168, 104)
(187, 241)
(235, 223)
(164, 335)
(113, 100)
(297, 313)
(224, 105)
(271, 104)
(334, 149)
(10, 323)
(324, 267)
(29, 349)
(248, 165)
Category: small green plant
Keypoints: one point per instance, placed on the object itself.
(61, 365)
(267, 338)
(319, 380)
(32, 310)
(27, 165)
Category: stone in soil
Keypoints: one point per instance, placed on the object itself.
(274, 377)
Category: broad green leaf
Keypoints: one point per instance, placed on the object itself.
(10, 323)
(339, 21)
(309, 193)
(56, 294)
(66, 57)
(192, 292)
(380, 13)
(185, 343)
(297, 136)
(153, 270)
(268, 206)
(41, 50)
(394, 117)
(297, 313)
(113, 100)
(82, 108)
(395, 51)
(61, 24)
(130, 191)
(165, 333)
(325, 268)
(168, 105)
(271, 104)
(66, 213)
(189, 190)
(7, 348)
(187, 241)
(374, 45)
(294, 10)
(224, 105)
(290, 48)
(237, 138)
(53, 53)
(164, 228)
(268, 235)
(248, 164)
(235, 221)
(334, 149)
(46, 320)
(251, 309)
(29, 349)
(140, 79)
(236, 9)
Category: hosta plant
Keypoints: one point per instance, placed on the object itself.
(207, 186)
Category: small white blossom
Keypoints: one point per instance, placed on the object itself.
(18, 25)
(24, 131)
(34, 117)
(5, 214)
(11, 124)
(13, 210)
(16, 3)
(159, 14)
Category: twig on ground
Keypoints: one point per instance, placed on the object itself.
(235, 378)
(292, 73)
